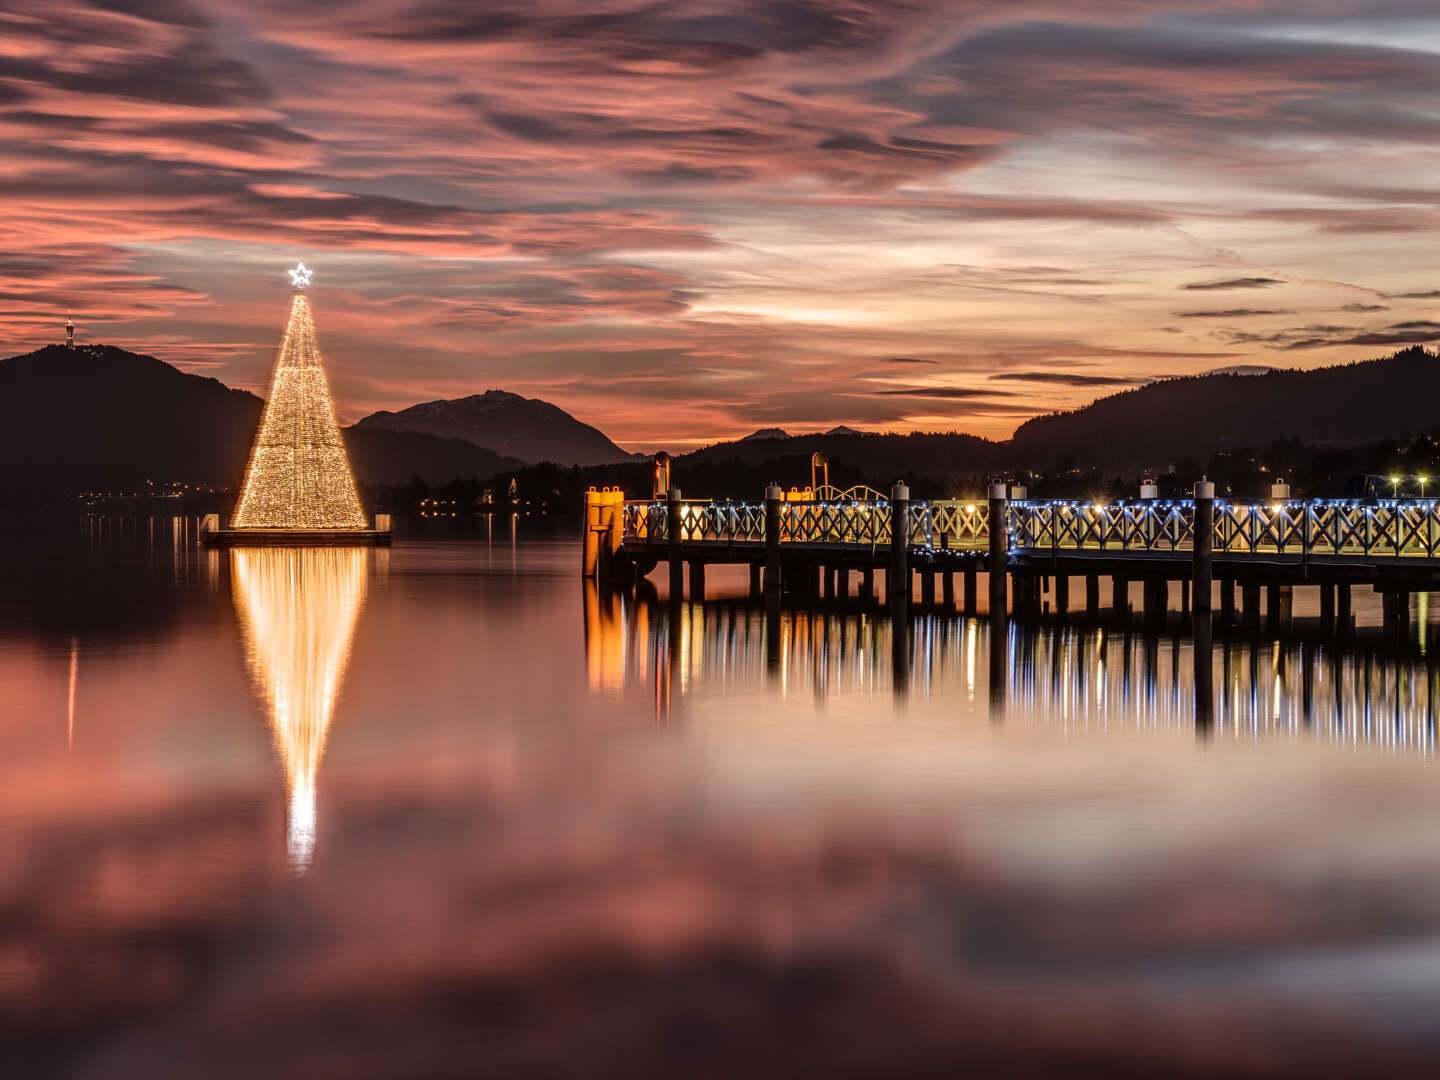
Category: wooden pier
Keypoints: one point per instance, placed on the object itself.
(836, 546)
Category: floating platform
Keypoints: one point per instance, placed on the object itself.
(228, 538)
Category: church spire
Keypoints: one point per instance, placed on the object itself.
(69, 331)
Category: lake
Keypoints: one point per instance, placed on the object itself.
(445, 810)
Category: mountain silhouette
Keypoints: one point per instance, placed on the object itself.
(1163, 422)
(102, 418)
(525, 428)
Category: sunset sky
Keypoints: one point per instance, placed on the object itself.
(685, 221)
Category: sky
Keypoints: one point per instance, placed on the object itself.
(685, 221)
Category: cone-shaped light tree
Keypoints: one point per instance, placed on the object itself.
(298, 476)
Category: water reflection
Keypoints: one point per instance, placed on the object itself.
(298, 607)
(1077, 679)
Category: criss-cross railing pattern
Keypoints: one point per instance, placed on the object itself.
(865, 523)
(1072, 526)
(1408, 528)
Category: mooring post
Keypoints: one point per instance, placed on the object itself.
(674, 524)
(773, 495)
(1202, 565)
(899, 574)
(610, 561)
(999, 546)
(590, 534)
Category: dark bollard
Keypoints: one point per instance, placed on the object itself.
(1092, 597)
(1062, 596)
(947, 590)
(867, 586)
(697, 580)
(1120, 599)
(1343, 618)
(1227, 602)
(927, 589)
(754, 581)
(772, 540)
(999, 546)
(971, 591)
(898, 577)
(1327, 609)
(1203, 551)
(674, 520)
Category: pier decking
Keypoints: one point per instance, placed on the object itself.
(1213, 547)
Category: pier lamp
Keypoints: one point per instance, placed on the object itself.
(1422, 480)
(1394, 487)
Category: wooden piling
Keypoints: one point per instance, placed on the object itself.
(1092, 597)
(899, 575)
(1203, 546)
(971, 590)
(999, 545)
(773, 495)
(1250, 607)
(1062, 595)
(674, 524)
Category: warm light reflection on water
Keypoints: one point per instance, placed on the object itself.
(571, 831)
(1074, 679)
(297, 607)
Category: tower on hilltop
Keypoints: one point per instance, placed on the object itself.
(69, 331)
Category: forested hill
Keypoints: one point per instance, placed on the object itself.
(1165, 422)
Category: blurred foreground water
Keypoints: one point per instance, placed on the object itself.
(444, 810)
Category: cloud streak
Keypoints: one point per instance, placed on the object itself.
(675, 219)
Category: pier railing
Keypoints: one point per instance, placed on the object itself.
(1323, 527)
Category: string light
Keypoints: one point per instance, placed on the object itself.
(299, 476)
(298, 607)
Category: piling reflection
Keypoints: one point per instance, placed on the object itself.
(298, 608)
(1080, 679)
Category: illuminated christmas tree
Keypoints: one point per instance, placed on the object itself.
(299, 476)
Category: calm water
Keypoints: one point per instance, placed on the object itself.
(441, 811)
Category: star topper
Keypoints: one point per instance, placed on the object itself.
(300, 276)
